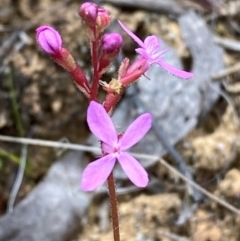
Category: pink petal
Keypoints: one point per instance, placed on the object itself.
(142, 52)
(152, 43)
(97, 172)
(175, 71)
(131, 34)
(136, 131)
(101, 124)
(107, 148)
(157, 55)
(49, 39)
(135, 172)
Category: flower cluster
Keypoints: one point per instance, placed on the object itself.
(104, 47)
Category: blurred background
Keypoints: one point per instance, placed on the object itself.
(38, 100)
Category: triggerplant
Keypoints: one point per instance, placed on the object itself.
(104, 47)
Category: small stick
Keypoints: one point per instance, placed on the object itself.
(225, 72)
(24, 149)
(227, 43)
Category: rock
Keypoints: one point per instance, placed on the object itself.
(54, 209)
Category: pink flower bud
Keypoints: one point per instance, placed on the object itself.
(103, 19)
(88, 12)
(49, 40)
(111, 43)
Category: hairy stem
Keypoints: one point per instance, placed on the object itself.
(111, 100)
(95, 82)
(114, 207)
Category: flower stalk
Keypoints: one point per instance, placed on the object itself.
(114, 207)
(96, 76)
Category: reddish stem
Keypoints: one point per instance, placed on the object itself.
(111, 101)
(109, 104)
(114, 207)
(65, 59)
(96, 77)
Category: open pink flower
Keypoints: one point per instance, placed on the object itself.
(114, 146)
(149, 49)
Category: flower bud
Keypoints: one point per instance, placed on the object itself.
(103, 19)
(49, 40)
(88, 12)
(110, 46)
(111, 43)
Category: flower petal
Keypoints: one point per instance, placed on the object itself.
(136, 131)
(49, 39)
(175, 71)
(156, 56)
(101, 124)
(131, 34)
(152, 43)
(135, 172)
(143, 53)
(97, 172)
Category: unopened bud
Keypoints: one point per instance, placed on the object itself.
(49, 40)
(103, 19)
(111, 43)
(88, 12)
(110, 48)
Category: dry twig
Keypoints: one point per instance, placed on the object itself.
(227, 43)
(225, 72)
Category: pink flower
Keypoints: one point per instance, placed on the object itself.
(114, 147)
(49, 39)
(149, 49)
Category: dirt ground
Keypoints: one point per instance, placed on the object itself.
(52, 109)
